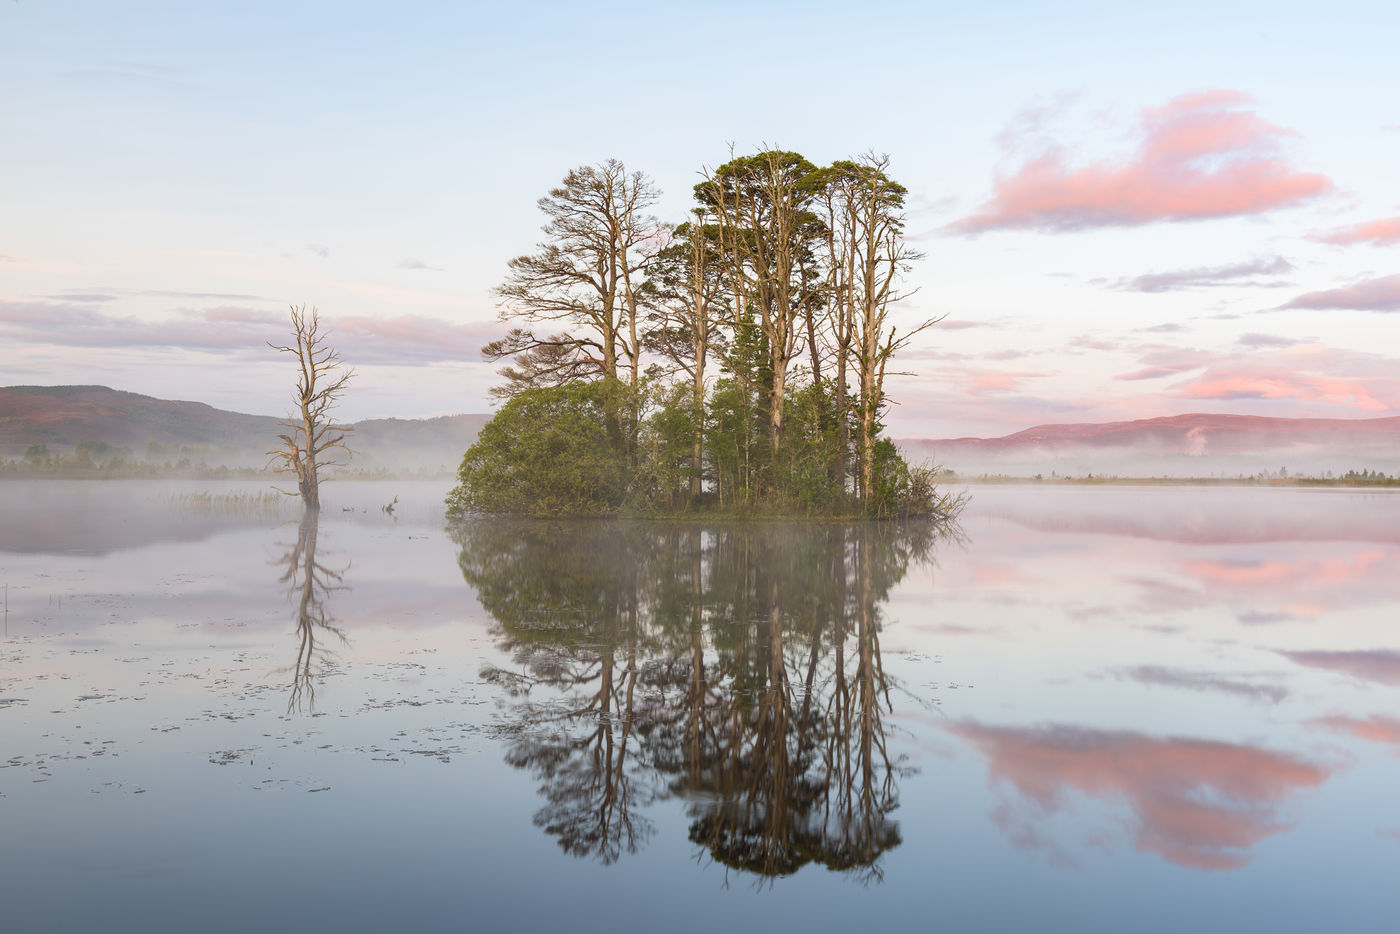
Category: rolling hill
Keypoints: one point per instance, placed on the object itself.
(61, 416)
(1196, 444)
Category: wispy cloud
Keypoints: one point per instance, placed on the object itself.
(84, 297)
(1255, 339)
(214, 296)
(320, 249)
(1199, 277)
(1200, 156)
(1382, 294)
(1152, 372)
(409, 262)
(106, 294)
(979, 381)
(405, 340)
(1159, 362)
(147, 73)
(1383, 232)
(1083, 342)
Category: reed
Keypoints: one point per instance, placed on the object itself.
(267, 503)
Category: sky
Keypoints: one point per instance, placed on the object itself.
(1126, 210)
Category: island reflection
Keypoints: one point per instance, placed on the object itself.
(734, 668)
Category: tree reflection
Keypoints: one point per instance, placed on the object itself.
(309, 585)
(737, 669)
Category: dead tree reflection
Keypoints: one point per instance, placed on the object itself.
(737, 669)
(309, 585)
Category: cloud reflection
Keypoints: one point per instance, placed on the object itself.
(1380, 666)
(1374, 729)
(1197, 803)
(1203, 681)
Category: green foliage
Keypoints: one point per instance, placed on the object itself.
(665, 451)
(569, 451)
(548, 452)
(804, 478)
(902, 491)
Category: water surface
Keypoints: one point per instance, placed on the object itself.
(1086, 709)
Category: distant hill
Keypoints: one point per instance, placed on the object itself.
(1178, 445)
(1194, 444)
(61, 416)
(64, 415)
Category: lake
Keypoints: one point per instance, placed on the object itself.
(1084, 709)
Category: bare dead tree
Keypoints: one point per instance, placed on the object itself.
(586, 278)
(313, 437)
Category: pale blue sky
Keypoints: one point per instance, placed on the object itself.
(174, 174)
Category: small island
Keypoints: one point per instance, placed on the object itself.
(734, 363)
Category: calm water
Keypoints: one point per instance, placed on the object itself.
(1088, 710)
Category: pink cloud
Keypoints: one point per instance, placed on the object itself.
(961, 324)
(1383, 232)
(1381, 294)
(1305, 374)
(1201, 156)
(985, 381)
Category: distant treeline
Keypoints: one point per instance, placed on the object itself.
(100, 460)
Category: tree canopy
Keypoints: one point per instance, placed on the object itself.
(736, 360)
(548, 452)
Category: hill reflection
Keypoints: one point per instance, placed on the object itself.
(736, 669)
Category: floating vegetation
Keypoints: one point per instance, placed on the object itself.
(267, 503)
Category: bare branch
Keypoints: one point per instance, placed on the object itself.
(310, 433)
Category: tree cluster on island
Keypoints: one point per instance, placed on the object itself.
(735, 361)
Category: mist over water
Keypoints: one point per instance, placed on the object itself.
(1136, 708)
(1150, 459)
